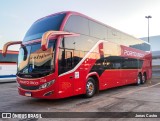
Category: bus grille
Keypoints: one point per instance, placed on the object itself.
(29, 87)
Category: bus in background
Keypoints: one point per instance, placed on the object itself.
(8, 66)
(68, 54)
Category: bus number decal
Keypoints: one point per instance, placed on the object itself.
(76, 75)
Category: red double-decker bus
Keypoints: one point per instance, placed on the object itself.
(67, 54)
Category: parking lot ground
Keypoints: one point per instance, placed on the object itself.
(130, 98)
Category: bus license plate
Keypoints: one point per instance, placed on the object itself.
(28, 94)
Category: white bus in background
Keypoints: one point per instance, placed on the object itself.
(8, 66)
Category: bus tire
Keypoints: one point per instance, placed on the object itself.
(90, 88)
(144, 78)
(139, 79)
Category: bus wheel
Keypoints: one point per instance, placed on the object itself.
(139, 79)
(144, 78)
(90, 88)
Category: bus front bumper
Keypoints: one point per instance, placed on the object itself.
(48, 93)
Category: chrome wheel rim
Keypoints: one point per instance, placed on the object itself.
(90, 88)
(139, 80)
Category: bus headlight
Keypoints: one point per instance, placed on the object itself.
(47, 84)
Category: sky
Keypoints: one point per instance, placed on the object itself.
(16, 16)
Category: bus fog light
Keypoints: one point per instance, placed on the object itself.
(47, 84)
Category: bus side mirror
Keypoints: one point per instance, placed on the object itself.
(48, 34)
(5, 46)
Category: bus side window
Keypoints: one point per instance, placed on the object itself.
(105, 64)
(65, 60)
(61, 62)
(68, 58)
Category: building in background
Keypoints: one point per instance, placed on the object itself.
(155, 42)
(8, 66)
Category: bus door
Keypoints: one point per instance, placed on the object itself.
(65, 65)
(75, 78)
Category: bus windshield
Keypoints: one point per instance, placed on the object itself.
(34, 62)
(41, 26)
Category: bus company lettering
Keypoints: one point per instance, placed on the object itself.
(132, 53)
(40, 56)
(28, 82)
